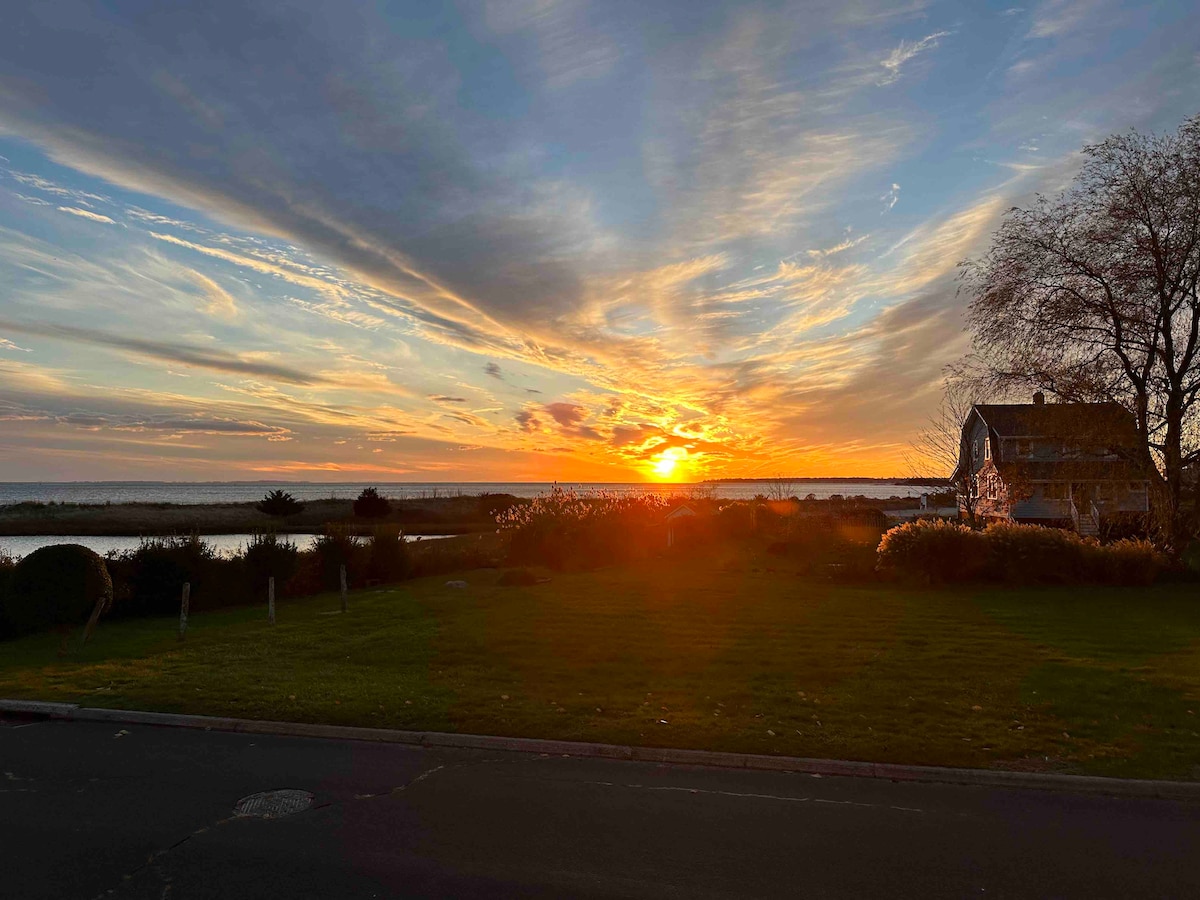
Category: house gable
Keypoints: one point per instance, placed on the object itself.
(1043, 462)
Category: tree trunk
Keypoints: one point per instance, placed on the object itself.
(1176, 533)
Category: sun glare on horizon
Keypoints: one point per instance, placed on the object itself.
(668, 465)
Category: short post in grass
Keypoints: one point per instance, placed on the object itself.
(183, 609)
(342, 577)
(271, 600)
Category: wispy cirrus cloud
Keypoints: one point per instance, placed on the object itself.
(569, 48)
(87, 214)
(905, 51)
(175, 353)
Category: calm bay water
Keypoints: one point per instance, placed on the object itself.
(244, 491)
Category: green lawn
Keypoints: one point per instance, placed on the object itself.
(721, 654)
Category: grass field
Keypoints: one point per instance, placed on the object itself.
(723, 654)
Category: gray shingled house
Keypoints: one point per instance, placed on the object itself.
(1070, 465)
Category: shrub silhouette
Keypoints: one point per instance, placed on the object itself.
(1014, 553)
(335, 548)
(279, 503)
(387, 554)
(56, 586)
(160, 566)
(268, 556)
(371, 505)
(7, 564)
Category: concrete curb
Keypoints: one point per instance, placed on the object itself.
(1123, 787)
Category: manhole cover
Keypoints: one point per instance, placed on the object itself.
(273, 804)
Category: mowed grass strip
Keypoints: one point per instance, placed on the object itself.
(723, 653)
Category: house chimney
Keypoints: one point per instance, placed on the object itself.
(1039, 399)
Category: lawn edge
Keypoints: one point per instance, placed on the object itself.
(1128, 787)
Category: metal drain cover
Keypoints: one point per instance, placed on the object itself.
(274, 804)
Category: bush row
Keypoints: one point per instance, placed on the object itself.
(940, 551)
(148, 580)
(40, 592)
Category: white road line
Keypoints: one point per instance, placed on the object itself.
(687, 790)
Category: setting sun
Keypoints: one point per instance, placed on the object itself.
(668, 463)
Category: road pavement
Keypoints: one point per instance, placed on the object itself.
(91, 810)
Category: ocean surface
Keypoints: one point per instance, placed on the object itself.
(243, 491)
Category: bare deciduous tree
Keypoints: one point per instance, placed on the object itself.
(937, 448)
(1092, 296)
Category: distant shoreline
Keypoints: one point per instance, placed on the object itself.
(847, 479)
(808, 479)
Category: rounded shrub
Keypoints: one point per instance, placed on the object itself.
(58, 585)
(933, 550)
(1129, 562)
(268, 556)
(1035, 554)
(370, 504)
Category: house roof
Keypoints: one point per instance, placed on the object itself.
(1095, 429)
(1068, 470)
(1109, 422)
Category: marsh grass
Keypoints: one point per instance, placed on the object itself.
(727, 653)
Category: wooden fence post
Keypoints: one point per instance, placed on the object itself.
(271, 599)
(342, 575)
(183, 609)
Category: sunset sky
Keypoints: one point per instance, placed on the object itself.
(523, 240)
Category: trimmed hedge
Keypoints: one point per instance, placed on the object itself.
(934, 549)
(940, 551)
(58, 585)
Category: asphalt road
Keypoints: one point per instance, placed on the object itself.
(93, 810)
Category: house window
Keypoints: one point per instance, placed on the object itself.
(987, 448)
(1024, 448)
(993, 487)
(1105, 491)
(1137, 487)
(1055, 490)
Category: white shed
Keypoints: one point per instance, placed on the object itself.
(674, 517)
